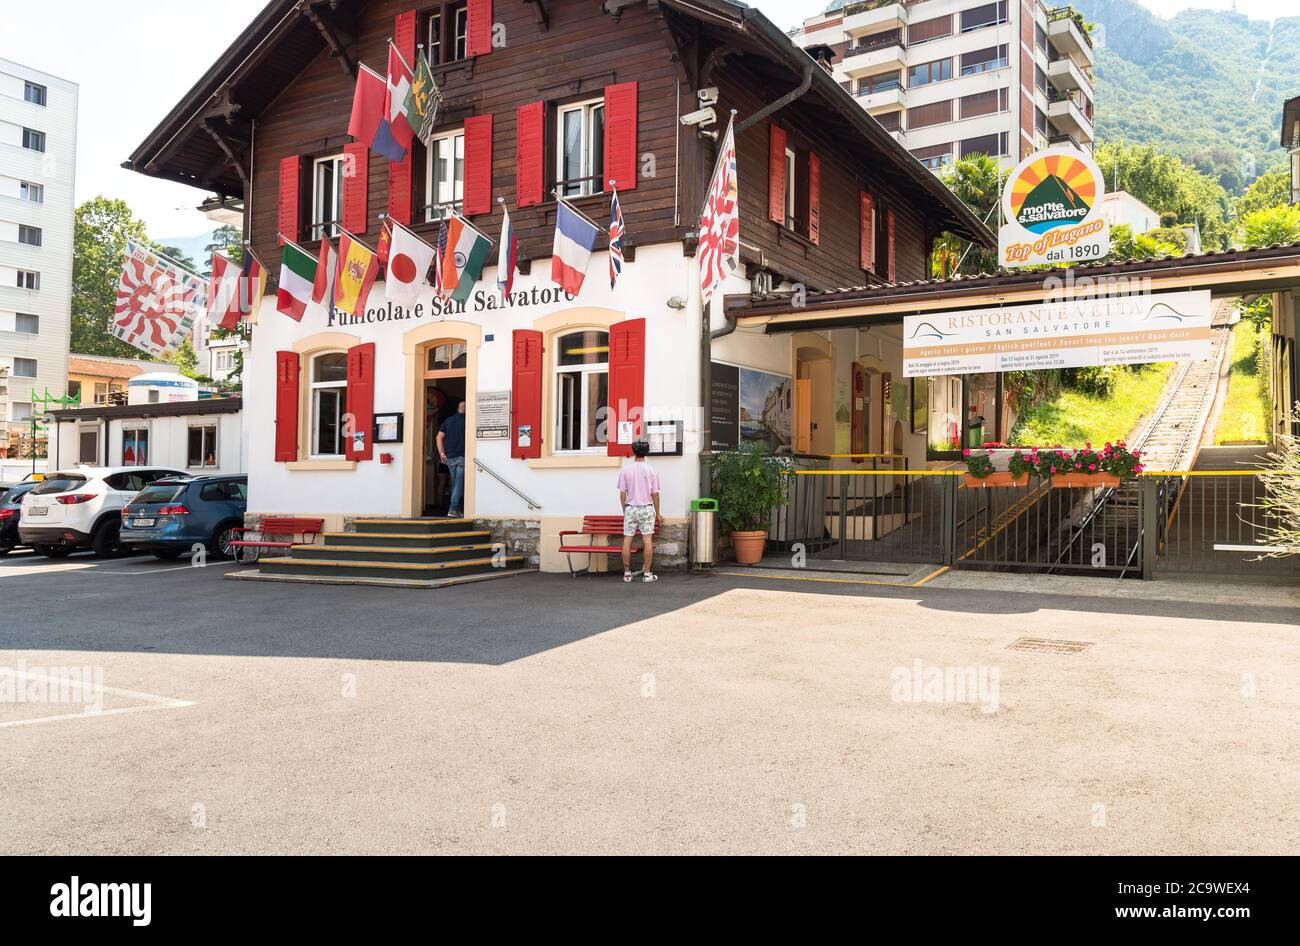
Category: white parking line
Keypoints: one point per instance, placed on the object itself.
(153, 701)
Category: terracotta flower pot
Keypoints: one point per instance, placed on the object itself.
(748, 547)
(1086, 480)
(998, 479)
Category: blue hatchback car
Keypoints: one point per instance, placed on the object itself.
(169, 516)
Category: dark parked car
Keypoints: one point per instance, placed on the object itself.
(11, 505)
(169, 516)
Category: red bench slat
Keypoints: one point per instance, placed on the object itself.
(593, 526)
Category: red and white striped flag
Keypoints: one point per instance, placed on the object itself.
(719, 249)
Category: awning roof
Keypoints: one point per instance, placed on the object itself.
(1230, 273)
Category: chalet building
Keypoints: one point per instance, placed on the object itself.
(540, 96)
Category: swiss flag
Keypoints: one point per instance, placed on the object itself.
(400, 78)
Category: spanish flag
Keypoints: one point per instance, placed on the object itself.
(357, 269)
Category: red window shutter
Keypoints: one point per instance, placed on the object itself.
(478, 165)
(626, 384)
(866, 230)
(399, 190)
(361, 401)
(478, 28)
(526, 395)
(356, 186)
(814, 198)
(290, 185)
(776, 176)
(286, 406)
(530, 150)
(620, 136)
(404, 36)
(889, 229)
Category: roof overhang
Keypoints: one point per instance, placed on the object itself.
(1239, 272)
(1290, 113)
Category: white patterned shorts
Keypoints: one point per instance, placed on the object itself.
(638, 519)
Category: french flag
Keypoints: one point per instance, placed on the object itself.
(575, 238)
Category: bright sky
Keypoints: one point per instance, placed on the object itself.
(134, 61)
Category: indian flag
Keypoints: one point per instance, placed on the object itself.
(462, 264)
(297, 277)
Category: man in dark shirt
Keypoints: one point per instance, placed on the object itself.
(451, 450)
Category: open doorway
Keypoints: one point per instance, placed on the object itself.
(444, 389)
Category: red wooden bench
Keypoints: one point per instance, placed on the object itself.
(593, 526)
(291, 526)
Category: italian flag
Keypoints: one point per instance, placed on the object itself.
(297, 277)
(462, 263)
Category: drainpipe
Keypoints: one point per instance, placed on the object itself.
(804, 85)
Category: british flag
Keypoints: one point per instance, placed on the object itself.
(719, 249)
(616, 234)
(157, 302)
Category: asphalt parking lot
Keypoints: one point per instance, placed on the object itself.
(544, 714)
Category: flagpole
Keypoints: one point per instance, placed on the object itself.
(354, 238)
(717, 161)
(555, 192)
(474, 228)
(399, 54)
(415, 236)
(184, 269)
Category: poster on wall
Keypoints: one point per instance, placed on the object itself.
(492, 415)
(1052, 210)
(1117, 330)
(750, 406)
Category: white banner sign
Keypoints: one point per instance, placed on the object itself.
(1120, 330)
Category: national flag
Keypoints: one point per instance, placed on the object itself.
(462, 259)
(223, 292)
(157, 303)
(437, 262)
(507, 254)
(423, 101)
(575, 238)
(616, 234)
(400, 80)
(719, 248)
(357, 269)
(408, 264)
(252, 285)
(322, 290)
(298, 273)
(369, 124)
(385, 241)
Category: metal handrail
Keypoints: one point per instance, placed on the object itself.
(479, 464)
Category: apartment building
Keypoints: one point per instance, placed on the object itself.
(38, 146)
(951, 78)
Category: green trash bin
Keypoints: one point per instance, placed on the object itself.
(704, 531)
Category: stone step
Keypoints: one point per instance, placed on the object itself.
(416, 526)
(425, 571)
(407, 540)
(385, 553)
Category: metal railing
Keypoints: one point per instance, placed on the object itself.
(480, 465)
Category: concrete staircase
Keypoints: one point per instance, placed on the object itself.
(422, 553)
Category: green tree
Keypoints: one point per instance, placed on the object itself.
(102, 227)
(1269, 190)
(977, 181)
(227, 240)
(1167, 184)
(1126, 245)
(1272, 225)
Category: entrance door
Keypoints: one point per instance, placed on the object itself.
(444, 389)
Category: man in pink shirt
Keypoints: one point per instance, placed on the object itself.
(638, 494)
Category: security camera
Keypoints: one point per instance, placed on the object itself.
(708, 95)
(704, 116)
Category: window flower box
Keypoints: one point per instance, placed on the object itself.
(1005, 478)
(1084, 480)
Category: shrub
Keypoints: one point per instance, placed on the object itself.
(748, 484)
(1281, 499)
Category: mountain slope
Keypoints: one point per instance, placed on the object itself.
(1205, 85)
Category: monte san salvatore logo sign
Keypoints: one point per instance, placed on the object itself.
(1052, 211)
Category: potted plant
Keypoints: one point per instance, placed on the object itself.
(1089, 468)
(748, 484)
(982, 471)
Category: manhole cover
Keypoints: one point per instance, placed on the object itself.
(1041, 645)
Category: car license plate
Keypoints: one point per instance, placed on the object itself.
(141, 523)
(39, 510)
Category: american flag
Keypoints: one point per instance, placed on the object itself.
(437, 263)
(616, 234)
(719, 249)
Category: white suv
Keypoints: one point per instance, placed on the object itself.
(82, 508)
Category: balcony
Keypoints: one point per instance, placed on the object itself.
(869, 16)
(874, 54)
(1065, 75)
(1066, 33)
(1071, 115)
(886, 100)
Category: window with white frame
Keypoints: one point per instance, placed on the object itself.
(101, 392)
(791, 166)
(27, 324)
(202, 449)
(21, 410)
(329, 404)
(24, 367)
(29, 279)
(34, 92)
(30, 235)
(223, 360)
(326, 196)
(33, 140)
(135, 446)
(34, 193)
(88, 445)
(581, 391)
(444, 180)
(448, 29)
(580, 148)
